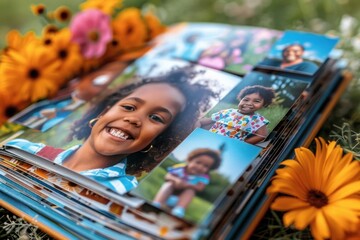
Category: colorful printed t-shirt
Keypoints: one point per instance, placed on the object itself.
(113, 177)
(233, 124)
(179, 171)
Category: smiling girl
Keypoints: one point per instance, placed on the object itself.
(244, 123)
(131, 130)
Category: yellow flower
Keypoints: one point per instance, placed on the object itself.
(129, 29)
(15, 41)
(50, 29)
(62, 14)
(38, 9)
(154, 25)
(321, 190)
(107, 6)
(67, 53)
(36, 67)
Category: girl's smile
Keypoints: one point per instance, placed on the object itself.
(135, 121)
(250, 103)
(118, 133)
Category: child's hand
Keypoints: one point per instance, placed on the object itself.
(205, 123)
(180, 184)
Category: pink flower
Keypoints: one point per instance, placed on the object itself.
(91, 29)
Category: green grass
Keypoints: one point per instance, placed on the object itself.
(149, 186)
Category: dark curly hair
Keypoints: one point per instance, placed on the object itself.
(207, 152)
(267, 93)
(198, 96)
(292, 45)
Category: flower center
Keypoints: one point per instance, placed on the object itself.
(47, 41)
(10, 111)
(6, 49)
(40, 10)
(33, 73)
(64, 15)
(93, 36)
(114, 43)
(51, 29)
(71, 184)
(129, 30)
(317, 198)
(62, 54)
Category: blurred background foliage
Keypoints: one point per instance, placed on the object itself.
(317, 16)
(306, 15)
(313, 15)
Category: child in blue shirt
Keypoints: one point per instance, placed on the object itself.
(186, 179)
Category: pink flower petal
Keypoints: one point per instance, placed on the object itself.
(88, 21)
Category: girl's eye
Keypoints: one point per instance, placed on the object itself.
(128, 107)
(156, 118)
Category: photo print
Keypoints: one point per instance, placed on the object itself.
(197, 174)
(186, 41)
(235, 49)
(299, 52)
(254, 107)
(122, 134)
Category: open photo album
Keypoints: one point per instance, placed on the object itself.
(179, 144)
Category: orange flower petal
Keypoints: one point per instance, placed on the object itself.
(345, 191)
(319, 226)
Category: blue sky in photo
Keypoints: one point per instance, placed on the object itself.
(317, 47)
(235, 159)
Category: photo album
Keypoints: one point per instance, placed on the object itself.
(178, 144)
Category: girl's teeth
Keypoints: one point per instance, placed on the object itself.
(118, 133)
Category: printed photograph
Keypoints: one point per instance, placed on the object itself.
(299, 52)
(254, 107)
(235, 49)
(122, 134)
(197, 174)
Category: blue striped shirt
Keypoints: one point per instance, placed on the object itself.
(113, 177)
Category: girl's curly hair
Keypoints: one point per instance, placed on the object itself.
(267, 93)
(214, 154)
(197, 94)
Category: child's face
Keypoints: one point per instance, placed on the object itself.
(250, 103)
(200, 165)
(135, 121)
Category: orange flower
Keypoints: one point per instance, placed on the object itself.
(62, 14)
(15, 41)
(154, 25)
(50, 29)
(67, 53)
(107, 6)
(129, 29)
(38, 9)
(321, 190)
(36, 67)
